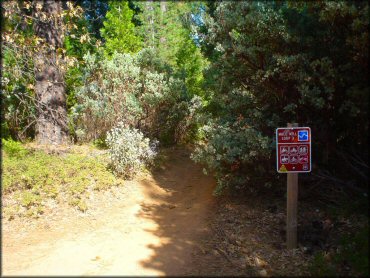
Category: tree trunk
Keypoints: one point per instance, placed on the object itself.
(149, 6)
(51, 126)
(163, 11)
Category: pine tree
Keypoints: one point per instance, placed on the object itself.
(119, 30)
(163, 27)
(49, 88)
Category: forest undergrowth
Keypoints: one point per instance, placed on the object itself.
(36, 178)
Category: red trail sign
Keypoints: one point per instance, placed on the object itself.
(293, 149)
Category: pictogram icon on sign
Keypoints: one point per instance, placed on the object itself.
(284, 150)
(303, 149)
(303, 159)
(284, 159)
(293, 150)
(293, 159)
(303, 135)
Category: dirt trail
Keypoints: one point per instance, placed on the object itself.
(155, 229)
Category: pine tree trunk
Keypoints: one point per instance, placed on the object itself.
(51, 127)
(150, 7)
(163, 11)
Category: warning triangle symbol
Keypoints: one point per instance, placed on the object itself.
(283, 168)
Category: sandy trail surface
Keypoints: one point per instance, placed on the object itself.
(153, 228)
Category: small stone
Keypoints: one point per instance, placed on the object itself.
(259, 262)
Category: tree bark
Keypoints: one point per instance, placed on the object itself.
(51, 126)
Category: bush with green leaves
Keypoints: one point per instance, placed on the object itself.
(268, 67)
(18, 98)
(236, 152)
(13, 148)
(186, 118)
(350, 258)
(108, 93)
(129, 150)
(134, 89)
(117, 89)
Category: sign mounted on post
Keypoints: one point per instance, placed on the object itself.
(293, 149)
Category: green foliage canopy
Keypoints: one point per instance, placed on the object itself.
(268, 68)
(119, 30)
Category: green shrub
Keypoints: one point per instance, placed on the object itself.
(13, 148)
(129, 88)
(235, 152)
(78, 203)
(100, 143)
(321, 266)
(129, 150)
(353, 252)
(116, 89)
(38, 176)
(29, 199)
(268, 68)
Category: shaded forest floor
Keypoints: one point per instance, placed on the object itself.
(169, 223)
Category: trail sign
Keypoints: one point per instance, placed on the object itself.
(293, 149)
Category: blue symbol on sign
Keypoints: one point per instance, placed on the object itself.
(303, 135)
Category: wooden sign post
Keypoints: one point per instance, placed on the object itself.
(292, 207)
(293, 156)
